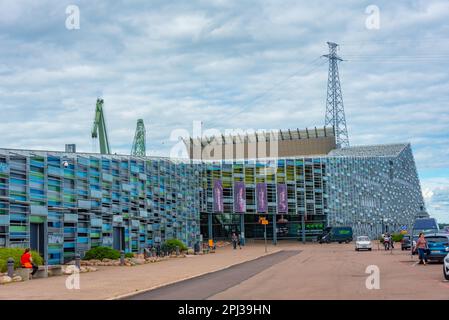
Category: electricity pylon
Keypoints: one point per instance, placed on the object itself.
(335, 111)
(139, 143)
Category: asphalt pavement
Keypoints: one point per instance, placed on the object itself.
(210, 284)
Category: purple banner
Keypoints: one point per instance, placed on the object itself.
(282, 198)
(218, 196)
(261, 192)
(239, 197)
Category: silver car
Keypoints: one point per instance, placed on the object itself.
(363, 243)
(446, 266)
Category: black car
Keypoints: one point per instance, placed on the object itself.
(406, 243)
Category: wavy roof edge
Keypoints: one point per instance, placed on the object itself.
(378, 150)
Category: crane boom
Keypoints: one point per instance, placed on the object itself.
(139, 143)
(99, 128)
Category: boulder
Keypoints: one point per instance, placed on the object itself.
(5, 279)
(70, 269)
(17, 279)
(91, 269)
(190, 251)
(137, 261)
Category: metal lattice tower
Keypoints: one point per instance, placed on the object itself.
(335, 112)
(99, 128)
(139, 143)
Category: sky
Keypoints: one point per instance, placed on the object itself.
(230, 65)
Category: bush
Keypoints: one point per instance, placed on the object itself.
(16, 253)
(170, 245)
(100, 253)
(397, 237)
(129, 255)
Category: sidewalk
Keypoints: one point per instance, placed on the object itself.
(112, 282)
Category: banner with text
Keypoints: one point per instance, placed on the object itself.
(218, 196)
(262, 202)
(282, 198)
(239, 197)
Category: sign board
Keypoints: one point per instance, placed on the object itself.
(263, 220)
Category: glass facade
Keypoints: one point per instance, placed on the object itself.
(64, 203)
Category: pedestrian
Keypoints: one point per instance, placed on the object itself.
(234, 240)
(27, 261)
(239, 242)
(421, 245)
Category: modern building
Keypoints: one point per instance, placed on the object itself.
(61, 203)
(65, 203)
(373, 189)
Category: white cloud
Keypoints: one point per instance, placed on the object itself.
(227, 63)
(436, 196)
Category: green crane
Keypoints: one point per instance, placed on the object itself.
(139, 143)
(99, 128)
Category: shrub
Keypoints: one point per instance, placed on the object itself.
(16, 253)
(170, 245)
(129, 255)
(100, 253)
(397, 237)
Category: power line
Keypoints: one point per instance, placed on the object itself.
(314, 66)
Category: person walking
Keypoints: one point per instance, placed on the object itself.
(421, 245)
(27, 261)
(239, 242)
(234, 240)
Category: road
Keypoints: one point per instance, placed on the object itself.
(328, 271)
(205, 286)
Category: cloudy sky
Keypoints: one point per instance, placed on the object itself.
(230, 64)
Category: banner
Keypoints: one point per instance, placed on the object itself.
(282, 198)
(261, 194)
(218, 196)
(239, 197)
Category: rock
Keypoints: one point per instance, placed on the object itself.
(190, 251)
(83, 269)
(137, 261)
(5, 279)
(91, 269)
(17, 279)
(70, 269)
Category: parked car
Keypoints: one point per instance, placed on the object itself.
(336, 234)
(406, 242)
(438, 244)
(363, 243)
(446, 266)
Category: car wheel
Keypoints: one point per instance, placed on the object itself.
(445, 273)
(356, 249)
(369, 249)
